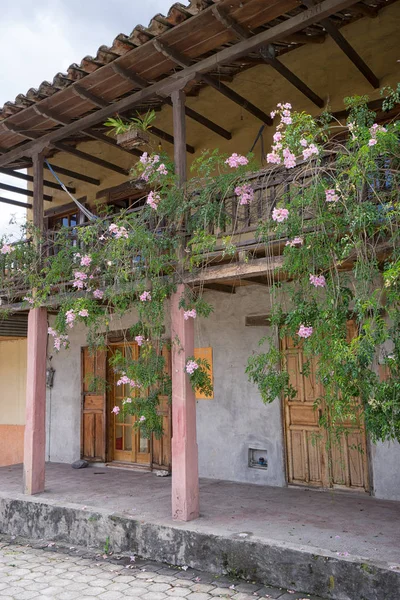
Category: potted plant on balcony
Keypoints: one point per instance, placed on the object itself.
(133, 132)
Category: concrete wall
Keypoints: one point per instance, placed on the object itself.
(12, 400)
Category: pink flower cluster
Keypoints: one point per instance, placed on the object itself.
(305, 332)
(127, 401)
(245, 193)
(162, 169)
(289, 159)
(310, 150)
(153, 199)
(139, 339)
(280, 214)
(191, 367)
(6, 249)
(190, 314)
(59, 340)
(118, 232)
(98, 294)
(29, 299)
(318, 280)
(236, 160)
(149, 163)
(296, 241)
(145, 297)
(79, 280)
(86, 261)
(83, 313)
(116, 410)
(373, 131)
(70, 317)
(331, 196)
(142, 419)
(125, 380)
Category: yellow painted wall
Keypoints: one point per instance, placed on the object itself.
(324, 67)
(13, 356)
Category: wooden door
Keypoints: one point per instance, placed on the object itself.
(311, 460)
(127, 443)
(161, 447)
(93, 423)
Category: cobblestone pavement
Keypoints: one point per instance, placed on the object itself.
(47, 571)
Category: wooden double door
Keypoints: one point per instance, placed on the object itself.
(312, 459)
(107, 437)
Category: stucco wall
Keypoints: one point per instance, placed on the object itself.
(236, 419)
(12, 400)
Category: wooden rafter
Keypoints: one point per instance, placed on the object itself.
(220, 287)
(346, 47)
(142, 83)
(24, 192)
(175, 81)
(267, 54)
(101, 103)
(93, 133)
(25, 177)
(74, 174)
(15, 202)
(90, 158)
(185, 62)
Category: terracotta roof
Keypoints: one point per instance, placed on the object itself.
(192, 30)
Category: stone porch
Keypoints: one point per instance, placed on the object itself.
(337, 545)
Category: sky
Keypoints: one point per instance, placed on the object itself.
(45, 36)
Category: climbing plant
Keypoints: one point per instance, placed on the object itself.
(336, 223)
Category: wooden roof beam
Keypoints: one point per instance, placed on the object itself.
(192, 114)
(90, 158)
(22, 191)
(15, 202)
(101, 103)
(96, 135)
(175, 81)
(267, 54)
(347, 48)
(185, 62)
(74, 174)
(24, 177)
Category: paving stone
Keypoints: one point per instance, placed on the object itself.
(111, 596)
(269, 592)
(247, 588)
(94, 591)
(224, 592)
(201, 587)
(159, 587)
(242, 596)
(27, 595)
(135, 592)
(178, 592)
(199, 596)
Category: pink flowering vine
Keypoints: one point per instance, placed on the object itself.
(162, 169)
(59, 340)
(118, 232)
(308, 152)
(296, 241)
(245, 193)
(86, 260)
(116, 410)
(70, 317)
(190, 314)
(145, 297)
(98, 294)
(125, 380)
(331, 196)
(236, 160)
(191, 367)
(318, 280)
(83, 313)
(139, 339)
(374, 129)
(6, 249)
(29, 299)
(142, 419)
(305, 332)
(280, 214)
(153, 199)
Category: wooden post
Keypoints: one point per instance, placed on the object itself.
(178, 104)
(185, 470)
(35, 419)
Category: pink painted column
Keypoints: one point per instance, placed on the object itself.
(185, 469)
(35, 420)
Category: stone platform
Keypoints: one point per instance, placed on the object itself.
(337, 545)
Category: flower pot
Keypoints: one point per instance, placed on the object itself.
(133, 138)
